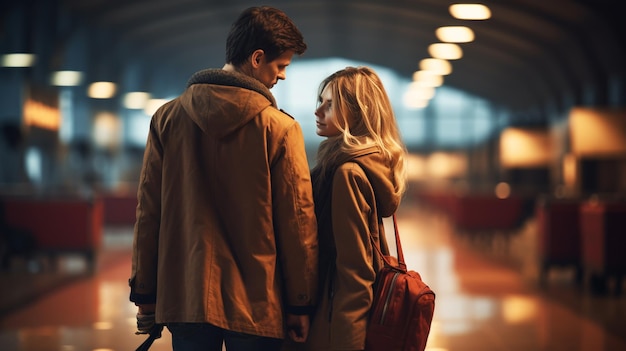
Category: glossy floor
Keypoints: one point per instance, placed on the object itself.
(487, 298)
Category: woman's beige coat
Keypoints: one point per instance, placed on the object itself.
(225, 232)
(361, 192)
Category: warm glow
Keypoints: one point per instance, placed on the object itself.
(102, 90)
(598, 131)
(570, 170)
(416, 167)
(103, 326)
(446, 165)
(136, 100)
(525, 147)
(66, 78)
(438, 66)
(518, 309)
(418, 95)
(502, 190)
(41, 115)
(428, 78)
(455, 34)
(107, 130)
(421, 91)
(414, 102)
(445, 51)
(17, 60)
(470, 11)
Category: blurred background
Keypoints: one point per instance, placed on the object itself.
(514, 114)
(530, 94)
(526, 94)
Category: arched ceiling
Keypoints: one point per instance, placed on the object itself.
(529, 57)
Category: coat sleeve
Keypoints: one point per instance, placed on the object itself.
(295, 225)
(148, 215)
(353, 207)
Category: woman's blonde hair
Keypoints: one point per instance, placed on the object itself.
(364, 115)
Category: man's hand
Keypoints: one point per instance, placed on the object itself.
(298, 327)
(145, 319)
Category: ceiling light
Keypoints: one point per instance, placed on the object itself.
(428, 78)
(417, 97)
(66, 78)
(455, 34)
(136, 100)
(420, 92)
(470, 11)
(17, 60)
(439, 66)
(102, 90)
(445, 51)
(414, 103)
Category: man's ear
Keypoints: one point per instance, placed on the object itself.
(257, 57)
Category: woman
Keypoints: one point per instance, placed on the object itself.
(359, 178)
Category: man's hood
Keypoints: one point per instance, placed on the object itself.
(220, 102)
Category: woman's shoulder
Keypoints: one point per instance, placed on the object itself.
(350, 167)
(348, 171)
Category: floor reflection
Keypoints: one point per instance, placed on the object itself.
(483, 301)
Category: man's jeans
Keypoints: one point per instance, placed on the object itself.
(206, 337)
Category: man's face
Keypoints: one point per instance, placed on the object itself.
(269, 73)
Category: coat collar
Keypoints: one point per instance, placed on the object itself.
(228, 78)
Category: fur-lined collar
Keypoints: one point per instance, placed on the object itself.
(222, 77)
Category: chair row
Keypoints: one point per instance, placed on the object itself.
(589, 235)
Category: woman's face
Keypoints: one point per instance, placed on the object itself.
(325, 115)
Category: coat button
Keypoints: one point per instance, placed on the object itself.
(302, 297)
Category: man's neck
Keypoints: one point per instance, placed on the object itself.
(229, 67)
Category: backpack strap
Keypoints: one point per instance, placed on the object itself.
(400, 254)
(154, 334)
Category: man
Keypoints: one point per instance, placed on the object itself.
(225, 246)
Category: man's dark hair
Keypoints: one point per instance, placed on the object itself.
(265, 28)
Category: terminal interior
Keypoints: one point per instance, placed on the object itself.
(514, 118)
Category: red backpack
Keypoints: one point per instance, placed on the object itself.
(403, 306)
